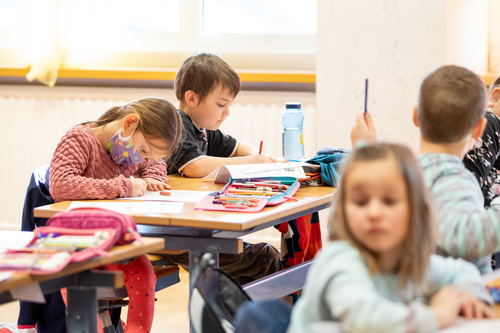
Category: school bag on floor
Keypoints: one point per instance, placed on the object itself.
(214, 300)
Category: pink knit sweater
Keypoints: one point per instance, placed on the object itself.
(82, 169)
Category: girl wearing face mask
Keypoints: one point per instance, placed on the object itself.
(120, 155)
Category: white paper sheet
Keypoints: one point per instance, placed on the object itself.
(479, 325)
(291, 169)
(175, 195)
(133, 207)
(31, 292)
(14, 240)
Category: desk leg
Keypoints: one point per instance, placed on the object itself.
(82, 309)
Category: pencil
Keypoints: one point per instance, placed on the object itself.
(260, 148)
(366, 95)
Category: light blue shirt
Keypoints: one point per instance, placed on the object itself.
(339, 287)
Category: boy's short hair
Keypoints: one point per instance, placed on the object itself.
(202, 73)
(451, 103)
(495, 84)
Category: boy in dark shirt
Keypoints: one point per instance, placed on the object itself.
(483, 159)
(206, 86)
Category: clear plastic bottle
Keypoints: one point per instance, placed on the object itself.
(293, 143)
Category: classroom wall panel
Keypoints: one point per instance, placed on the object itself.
(35, 119)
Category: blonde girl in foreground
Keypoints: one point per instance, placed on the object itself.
(379, 273)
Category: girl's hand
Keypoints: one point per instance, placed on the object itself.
(473, 308)
(138, 186)
(446, 305)
(364, 129)
(156, 185)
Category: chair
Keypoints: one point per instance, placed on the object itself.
(50, 317)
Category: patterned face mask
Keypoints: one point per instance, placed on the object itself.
(123, 150)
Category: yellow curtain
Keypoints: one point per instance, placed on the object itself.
(45, 28)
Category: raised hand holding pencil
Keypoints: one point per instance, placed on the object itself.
(364, 128)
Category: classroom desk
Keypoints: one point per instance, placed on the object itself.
(81, 282)
(209, 231)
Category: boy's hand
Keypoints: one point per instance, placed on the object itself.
(364, 129)
(473, 308)
(262, 158)
(139, 187)
(156, 185)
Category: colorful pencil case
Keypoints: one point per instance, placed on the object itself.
(250, 194)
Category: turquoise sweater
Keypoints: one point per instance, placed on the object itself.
(466, 229)
(339, 287)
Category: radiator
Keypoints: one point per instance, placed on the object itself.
(35, 119)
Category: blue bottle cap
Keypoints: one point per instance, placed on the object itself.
(293, 105)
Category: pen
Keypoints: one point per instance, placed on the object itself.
(366, 95)
(260, 148)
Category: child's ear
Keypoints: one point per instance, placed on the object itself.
(477, 132)
(495, 96)
(415, 116)
(191, 98)
(129, 125)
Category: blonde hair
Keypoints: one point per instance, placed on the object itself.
(420, 241)
(159, 119)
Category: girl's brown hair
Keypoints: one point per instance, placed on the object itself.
(420, 241)
(159, 119)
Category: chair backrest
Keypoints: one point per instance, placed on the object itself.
(37, 195)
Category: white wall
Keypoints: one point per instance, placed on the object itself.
(394, 44)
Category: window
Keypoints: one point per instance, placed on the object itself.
(278, 34)
(494, 61)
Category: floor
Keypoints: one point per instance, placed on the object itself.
(171, 308)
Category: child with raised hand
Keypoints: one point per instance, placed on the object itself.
(120, 155)
(378, 273)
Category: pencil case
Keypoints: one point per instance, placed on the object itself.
(52, 248)
(250, 195)
(276, 190)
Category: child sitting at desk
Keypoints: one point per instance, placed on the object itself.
(483, 159)
(206, 86)
(379, 266)
(120, 155)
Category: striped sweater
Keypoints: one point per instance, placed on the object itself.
(466, 229)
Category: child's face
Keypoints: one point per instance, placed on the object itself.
(213, 109)
(376, 205)
(148, 148)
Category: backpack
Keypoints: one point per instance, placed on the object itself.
(214, 300)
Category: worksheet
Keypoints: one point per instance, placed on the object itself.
(133, 207)
(238, 171)
(171, 195)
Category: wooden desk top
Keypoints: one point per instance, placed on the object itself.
(118, 253)
(307, 198)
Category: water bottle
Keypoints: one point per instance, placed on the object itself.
(293, 144)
